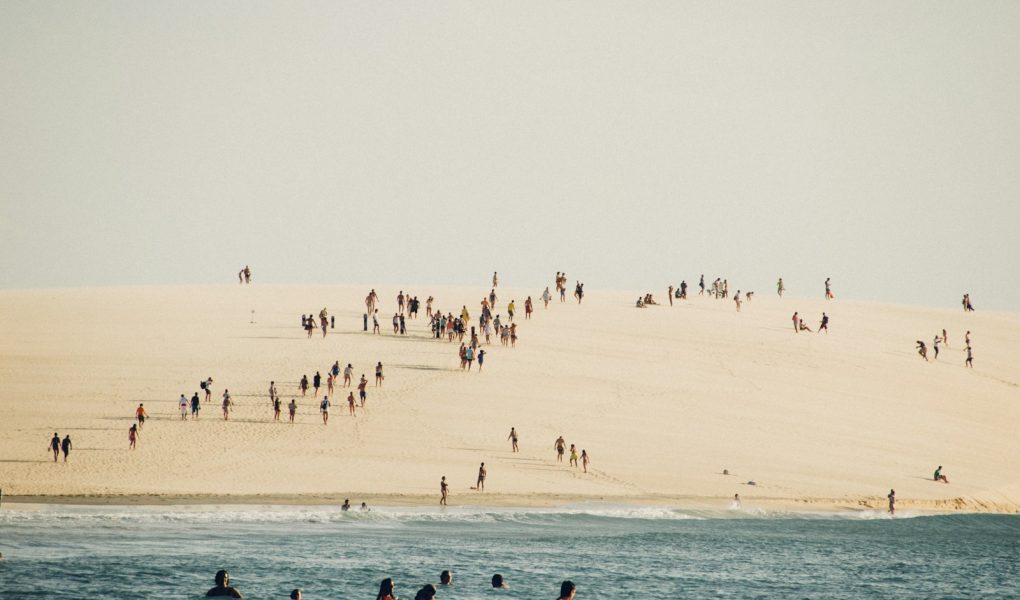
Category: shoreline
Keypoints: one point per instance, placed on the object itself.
(524, 501)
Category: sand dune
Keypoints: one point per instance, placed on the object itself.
(663, 399)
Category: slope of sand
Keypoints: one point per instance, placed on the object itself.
(662, 398)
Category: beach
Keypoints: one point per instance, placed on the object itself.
(662, 398)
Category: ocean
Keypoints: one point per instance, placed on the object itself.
(61, 551)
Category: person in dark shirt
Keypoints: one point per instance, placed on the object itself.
(223, 587)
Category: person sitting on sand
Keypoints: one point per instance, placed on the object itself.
(223, 587)
(803, 326)
(386, 590)
(567, 590)
(640, 302)
(939, 476)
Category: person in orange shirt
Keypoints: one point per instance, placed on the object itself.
(141, 415)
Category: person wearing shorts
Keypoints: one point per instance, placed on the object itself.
(140, 414)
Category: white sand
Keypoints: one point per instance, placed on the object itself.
(662, 398)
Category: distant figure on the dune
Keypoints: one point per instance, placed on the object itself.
(375, 322)
(495, 279)
(748, 296)
(922, 349)
(428, 306)
(780, 288)
(227, 405)
(277, 405)
(945, 338)
(292, 408)
(303, 384)
(573, 455)
(183, 404)
(361, 388)
(330, 381)
(935, 346)
(640, 302)
(579, 292)
(513, 335)
(378, 374)
(240, 276)
(348, 371)
(825, 324)
(403, 325)
(55, 446)
(969, 363)
(324, 409)
(247, 274)
(828, 289)
(132, 436)
(683, 290)
(513, 440)
(892, 502)
(444, 490)
(528, 308)
(400, 302)
(567, 590)
(967, 306)
(65, 446)
(701, 284)
(725, 288)
(803, 325)
(546, 296)
(511, 309)
(316, 383)
(480, 486)
(650, 300)
(939, 476)
(669, 295)
(560, 445)
(736, 300)
(351, 405)
(396, 322)
(966, 338)
(272, 391)
(140, 414)
(796, 322)
(585, 460)
(481, 360)
(223, 587)
(195, 406)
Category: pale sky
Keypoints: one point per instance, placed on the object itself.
(631, 144)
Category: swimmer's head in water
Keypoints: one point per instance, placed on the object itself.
(567, 588)
(222, 578)
(497, 581)
(446, 578)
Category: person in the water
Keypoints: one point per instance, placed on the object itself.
(346, 505)
(223, 587)
(446, 578)
(567, 590)
(498, 582)
(892, 502)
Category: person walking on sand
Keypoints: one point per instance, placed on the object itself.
(444, 491)
(736, 300)
(183, 403)
(272, 392)
(559, 445)
(796, 322)
(378, 374)
(330, 380)
(362, 392)
(195, 407)
(140, 414)
(939, 476)
(969, 363)
(303, 385)
(528, 308)
(828, 290)
(292, 409)
(546, 296)
(348, 371)
(922, 350)
(65, 447)
(55, 445)
(513, 440)
(480, 486)
(227, 404)
(350, 404)
(825, 324)
(892, 502)
(132, 436)
(780, 288)
(277, 404)
(935, 345)
(669, 294)
(324, 409)
(207, 386)
(481, 360)
(945, 338)
(585, 459)
(573, 455)
(316, 383)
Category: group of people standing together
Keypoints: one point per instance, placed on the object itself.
(943, 340)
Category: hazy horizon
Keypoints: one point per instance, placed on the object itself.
(630, 144)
